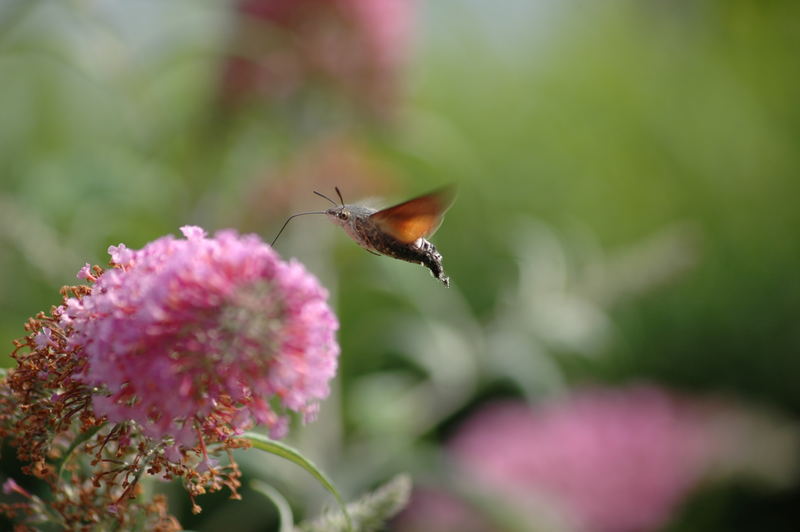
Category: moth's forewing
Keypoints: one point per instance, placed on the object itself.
(417, 217)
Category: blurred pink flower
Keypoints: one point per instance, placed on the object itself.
(333, 158)
(613, 460)
(204, 336)
(283, 47)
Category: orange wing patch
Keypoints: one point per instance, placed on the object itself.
(416, 218)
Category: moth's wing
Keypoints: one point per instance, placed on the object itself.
(415, 218)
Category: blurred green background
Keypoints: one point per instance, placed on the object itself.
(627, 210)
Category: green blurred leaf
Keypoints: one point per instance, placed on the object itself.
(280, 502)
(369, 513)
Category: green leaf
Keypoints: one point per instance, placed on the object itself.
(263, 443)
(369, 513)
(284, 510)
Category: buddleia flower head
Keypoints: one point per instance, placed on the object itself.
(203, 337)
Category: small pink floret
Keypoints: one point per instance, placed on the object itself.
(120, 255)
(85, 272)
(44, 337)
(10, 486)
(193, 232)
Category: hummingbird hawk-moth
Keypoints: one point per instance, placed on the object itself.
(400, 231)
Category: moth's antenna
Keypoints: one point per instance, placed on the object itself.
(289, 219)
(340, 195)
(324, 196)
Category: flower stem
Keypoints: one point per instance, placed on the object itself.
(263, 443)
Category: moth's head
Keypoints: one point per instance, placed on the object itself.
(339, 215)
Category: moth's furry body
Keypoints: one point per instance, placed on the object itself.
(357, 222)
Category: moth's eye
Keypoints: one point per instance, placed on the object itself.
(344, 215)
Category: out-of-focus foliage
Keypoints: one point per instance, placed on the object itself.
(627, 206)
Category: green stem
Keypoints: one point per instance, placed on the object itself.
(263, 443)
(79, 440)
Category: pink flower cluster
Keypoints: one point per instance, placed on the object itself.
(614, 460)
(384, 23)
(204, 336)
(284, 47)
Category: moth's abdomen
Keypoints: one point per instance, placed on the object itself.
(432, 259)
(421, 251)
